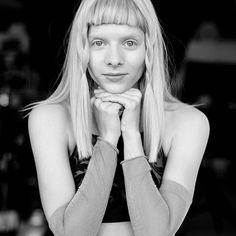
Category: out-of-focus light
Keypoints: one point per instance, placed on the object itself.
(4, 100)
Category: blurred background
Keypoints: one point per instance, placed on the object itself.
(201, 39)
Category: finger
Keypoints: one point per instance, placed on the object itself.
(109, 107)
(132, 97)
(99, 90)
(94, 103)
(102, 94)
(136, 93)
(116, 108)
(133, 92)
(98, 102)
(127, 103)
(104, 105)
(130, 91)
(92, 100)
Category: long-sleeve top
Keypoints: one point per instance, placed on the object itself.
(152, 210)
(85, 211)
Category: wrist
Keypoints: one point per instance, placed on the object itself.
(110, 139)
(134, 158)
(131, 134)
(108, 143)
(133, 146)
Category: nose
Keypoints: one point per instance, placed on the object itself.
(114, 57)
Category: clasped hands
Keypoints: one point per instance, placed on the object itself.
(107, 107)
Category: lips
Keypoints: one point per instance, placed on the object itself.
(115, 76)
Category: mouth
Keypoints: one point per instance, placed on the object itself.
(115, 76)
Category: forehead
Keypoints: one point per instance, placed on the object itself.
(115, 30)
(118, 12)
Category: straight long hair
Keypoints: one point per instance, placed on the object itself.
(75, 84)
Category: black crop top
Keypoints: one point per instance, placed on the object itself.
(117, 210)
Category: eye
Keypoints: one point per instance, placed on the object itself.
(130, 43)
(97, 43)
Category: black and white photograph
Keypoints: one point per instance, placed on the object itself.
(117, 118)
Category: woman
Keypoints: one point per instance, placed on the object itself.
(103, 139)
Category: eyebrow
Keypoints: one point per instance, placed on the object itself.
(101, 36)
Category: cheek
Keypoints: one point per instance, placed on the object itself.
(138, 65)
(94, 64)
(138, 60)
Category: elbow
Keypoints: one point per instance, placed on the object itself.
(169, 224)
(172, 224)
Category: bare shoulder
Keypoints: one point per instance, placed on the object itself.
(51, 118)
(183, 116)
(186, 136)
(183, 120)
(48, 114)
(49, 131)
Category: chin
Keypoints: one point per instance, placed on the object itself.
(116, 88)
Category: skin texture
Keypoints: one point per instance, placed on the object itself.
(129, 123)
(116, 49)
(51, 134)
(187, 129)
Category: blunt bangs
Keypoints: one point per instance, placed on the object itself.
(119, 12)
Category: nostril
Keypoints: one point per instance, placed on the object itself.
(114, 62)
(114, 58)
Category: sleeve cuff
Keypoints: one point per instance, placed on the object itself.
(135, 169)
(111, 145)
(132, 159)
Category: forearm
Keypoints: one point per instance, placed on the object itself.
(152, 211)
(133, 146)
(84, 213)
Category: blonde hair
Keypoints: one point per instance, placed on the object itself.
(154, 85)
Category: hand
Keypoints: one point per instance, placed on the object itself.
(107, 118)
(130, 101)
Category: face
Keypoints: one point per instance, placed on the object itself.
(117, 56)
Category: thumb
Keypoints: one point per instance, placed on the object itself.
(117, 106)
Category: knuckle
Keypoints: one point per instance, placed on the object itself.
(109, 110)
(92, 100)
(103, 106)
(139, 98)
(133, 104)
(113, 108)
(97, 102)
(139, 94)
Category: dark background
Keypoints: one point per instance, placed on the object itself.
(213, 83)
(48, 22)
